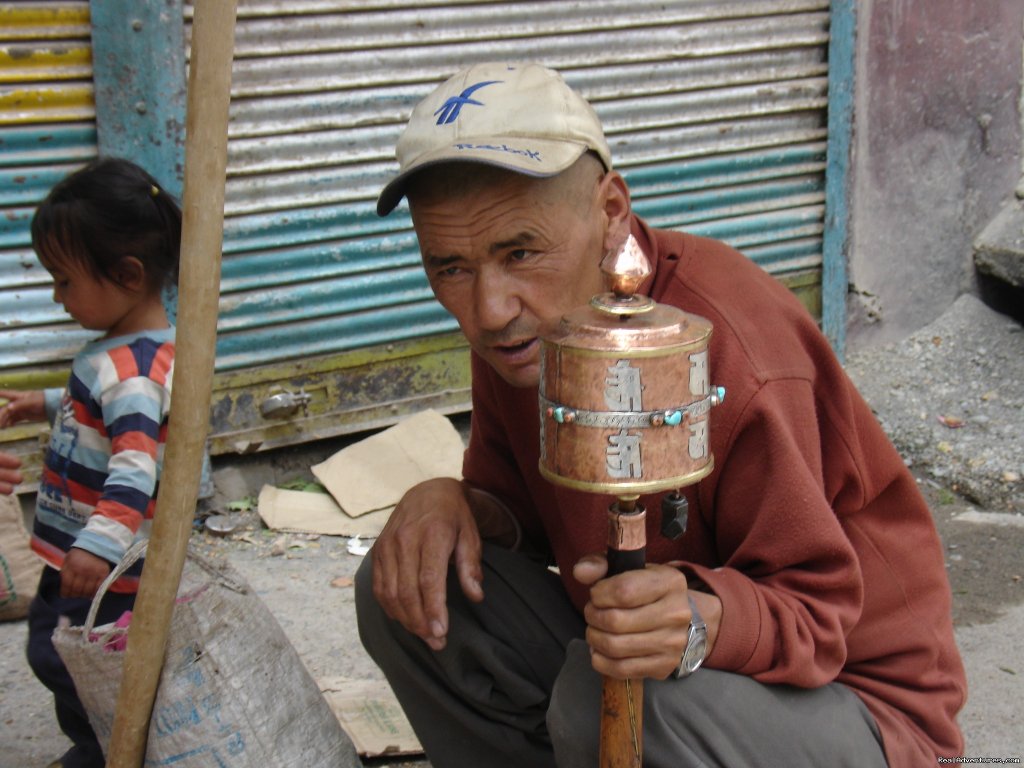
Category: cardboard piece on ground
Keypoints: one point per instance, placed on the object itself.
(306, 512)
(376, 472)
(371, 716)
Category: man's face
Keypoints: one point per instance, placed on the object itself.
(509, 258)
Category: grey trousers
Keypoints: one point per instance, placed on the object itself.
(514, 687)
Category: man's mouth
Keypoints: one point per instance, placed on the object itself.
(516, 349)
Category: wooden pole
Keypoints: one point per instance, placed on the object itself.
(206, 120)
(622, 701)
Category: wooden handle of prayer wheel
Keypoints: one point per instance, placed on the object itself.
(209, 90)
(622, 700)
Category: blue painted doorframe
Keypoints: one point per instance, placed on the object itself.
(139, 80)
(835, 246)
(139, 84)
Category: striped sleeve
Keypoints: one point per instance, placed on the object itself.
(129, 398)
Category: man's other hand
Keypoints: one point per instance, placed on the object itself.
(431, 527)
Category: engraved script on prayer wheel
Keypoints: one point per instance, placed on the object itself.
(625, 392)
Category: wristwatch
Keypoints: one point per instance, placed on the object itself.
(696, 644)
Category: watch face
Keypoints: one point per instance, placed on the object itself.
(695, 651)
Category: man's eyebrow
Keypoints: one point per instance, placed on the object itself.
(523, 238)
(436, 262)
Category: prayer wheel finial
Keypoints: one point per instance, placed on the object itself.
(626, 268)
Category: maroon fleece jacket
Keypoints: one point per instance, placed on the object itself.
(810, 529)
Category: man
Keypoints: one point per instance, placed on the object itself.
(810, 556)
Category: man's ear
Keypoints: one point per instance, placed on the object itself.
(130, 274)
(615, 206)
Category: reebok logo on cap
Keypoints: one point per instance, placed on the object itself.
(449, 111)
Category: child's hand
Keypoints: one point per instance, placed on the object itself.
(82, 573)
(22, 406)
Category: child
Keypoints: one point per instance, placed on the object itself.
(109, 237)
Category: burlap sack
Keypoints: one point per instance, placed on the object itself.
(19, 566)
(233, 691)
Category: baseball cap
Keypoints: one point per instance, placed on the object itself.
(522, 117)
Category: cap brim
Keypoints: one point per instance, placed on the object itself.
(532, 157)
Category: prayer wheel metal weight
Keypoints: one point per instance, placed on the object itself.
(625, 391)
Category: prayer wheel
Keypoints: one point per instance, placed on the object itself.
(625, 391)
(625, 395)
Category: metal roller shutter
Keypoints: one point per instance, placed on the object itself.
(47, 128)
(715, 111)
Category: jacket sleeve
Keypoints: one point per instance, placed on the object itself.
(789, 580)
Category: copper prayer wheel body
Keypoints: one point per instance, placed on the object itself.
(625, 396)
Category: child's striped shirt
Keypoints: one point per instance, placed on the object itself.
(102, 467)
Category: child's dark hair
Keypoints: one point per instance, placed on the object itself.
(106, 211)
